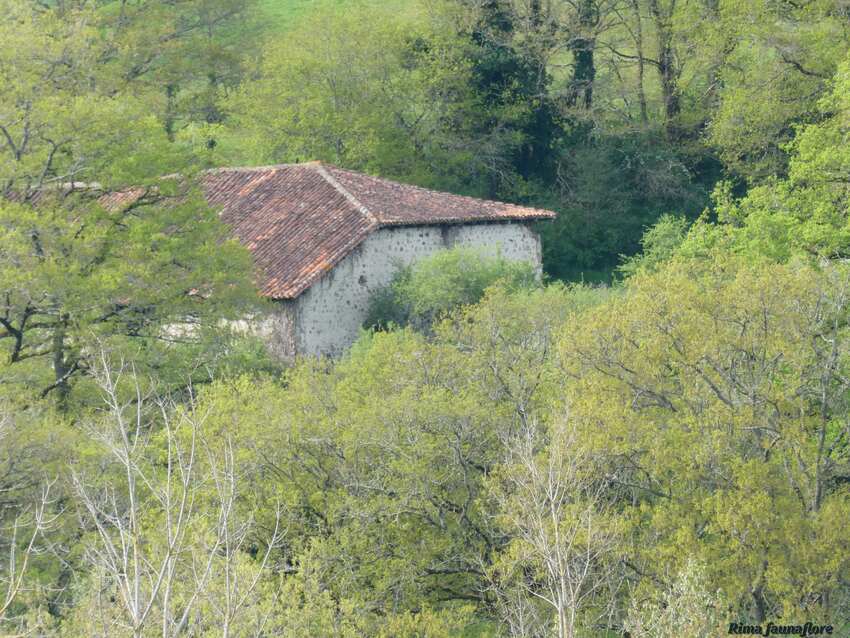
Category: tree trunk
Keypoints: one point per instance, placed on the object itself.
(759, 600)
(170, 110)
(667, 69)
(644, 117)
(60, 364)
(535, 11)
(729, 42)
(582, 46)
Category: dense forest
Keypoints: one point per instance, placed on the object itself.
(651, 441)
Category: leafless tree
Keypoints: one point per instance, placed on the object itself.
(237, 585)
(163, 569)
(22, 536)
(557, 512)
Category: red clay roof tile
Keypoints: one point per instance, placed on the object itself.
(395, 204)
(295, 223)
(300, 220)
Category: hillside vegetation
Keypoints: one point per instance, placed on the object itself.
(664, 454)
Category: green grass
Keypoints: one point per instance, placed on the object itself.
(282, 15)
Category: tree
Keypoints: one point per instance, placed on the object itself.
(185, 56)
(96, 246)
(564, 542)
(668, 69)
(725, 434)
(582, 45)
(25, 539)
(773, 75)
(804, 214)
(154, 275)
(688, 606)
(160, 542)
(660, 242)
(385, 92)
(62, 119)
(511, 52)
(386, 497)
(540, 32)
(35, 447)
(612, 188)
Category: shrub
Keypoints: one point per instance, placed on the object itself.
(421, 293)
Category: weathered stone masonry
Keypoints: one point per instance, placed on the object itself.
(324, 239)
(327, 317)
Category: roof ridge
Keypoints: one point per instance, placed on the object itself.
(330, 179)
(267, 167)
(322, 168)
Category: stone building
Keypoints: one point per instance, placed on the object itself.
(324, 239)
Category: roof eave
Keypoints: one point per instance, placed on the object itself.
(465, 221)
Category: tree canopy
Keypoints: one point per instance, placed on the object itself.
(650, 438)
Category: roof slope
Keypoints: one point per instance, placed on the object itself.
(395, 204)
(296, 225)
(299, 220)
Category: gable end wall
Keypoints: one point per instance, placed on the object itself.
(326, 318)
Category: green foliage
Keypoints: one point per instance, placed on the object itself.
(84, 83)
(804, 214)
(282, 17)
(773, 74)
(512, 83)
(444, 623)
(722, 431)
(382, 498)
(688, 605)
(398, 458)
(99, 252)
(423, 292)
(63, 119)
(659, 243)
(35, 449)
(184, 59)
(679, 441)
(386, 92)
(482, 98)
(613, 188)
(684, 418)
(151, 280)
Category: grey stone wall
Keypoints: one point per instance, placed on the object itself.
(276, 329)
(327, 317)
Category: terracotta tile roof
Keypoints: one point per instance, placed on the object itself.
(300, 220)
(295, 223)
(119, 199)
(395, 204)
